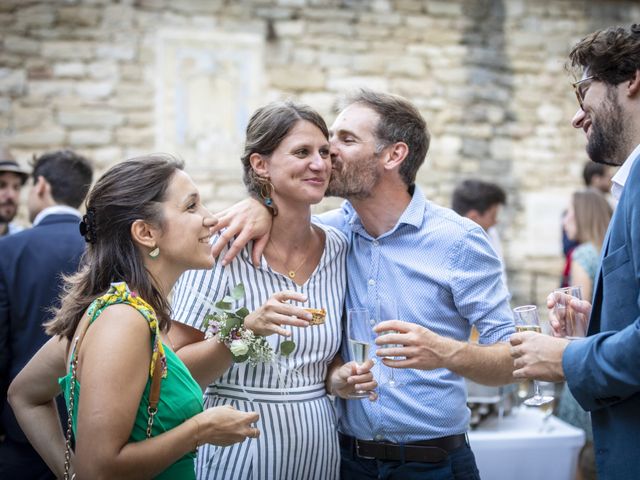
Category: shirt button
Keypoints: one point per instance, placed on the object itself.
(372, 282)
(379, 437)
(375, 243)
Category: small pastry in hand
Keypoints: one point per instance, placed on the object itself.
(318, 315)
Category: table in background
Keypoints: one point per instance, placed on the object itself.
(515, 447)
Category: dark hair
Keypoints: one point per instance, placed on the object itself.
(128, 191)
(611, 55)
(399, 121)
(476, 195)
(268, 126)
(68, 173)
(592, 169)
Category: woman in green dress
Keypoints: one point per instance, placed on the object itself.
(110, 352)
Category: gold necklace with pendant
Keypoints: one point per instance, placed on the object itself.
(290, 273)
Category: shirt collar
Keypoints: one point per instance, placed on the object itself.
(56, 210)
(620, 178)
(412, 215)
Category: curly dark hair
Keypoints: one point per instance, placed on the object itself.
(611, 55)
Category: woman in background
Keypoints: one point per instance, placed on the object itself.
(144, 226)
(586, 222)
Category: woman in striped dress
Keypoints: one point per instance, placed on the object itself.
(286, 163)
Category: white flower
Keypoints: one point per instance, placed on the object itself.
(239, 347)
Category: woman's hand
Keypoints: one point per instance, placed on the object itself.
(269, 318)
(225, 425)
(350, 377)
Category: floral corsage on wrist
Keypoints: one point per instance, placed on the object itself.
(244, 345)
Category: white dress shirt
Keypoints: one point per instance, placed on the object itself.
(620, 178)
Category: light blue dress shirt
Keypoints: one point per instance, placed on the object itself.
(444, 275)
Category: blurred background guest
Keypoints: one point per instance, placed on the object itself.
(31, 266)
(586, 222)
(12, 178)
(481, 202)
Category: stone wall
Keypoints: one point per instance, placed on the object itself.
(117, 79)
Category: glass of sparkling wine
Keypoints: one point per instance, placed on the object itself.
(358, 329)
(526, 320)
(388, 310)
(575, 323)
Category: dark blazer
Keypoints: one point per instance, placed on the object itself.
(603, 370)
(31, 263)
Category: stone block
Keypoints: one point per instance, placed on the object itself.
(370, 63)
(42, 15)
(64, 50)
(289, 28)
(50, 136)
(12, 82)
(445, 9)
(120, 51)
(93, 90)
(21, 45)
(78, 16)
(69, 69)
(140, 119)
(94, 117)
(344, 84)
(27, 118)
(297, 77)
(103, 70)
(134, 136)
(117, 17)
(409, 66)
(105, 157)
(86, 137)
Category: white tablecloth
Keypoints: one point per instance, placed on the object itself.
(516, 447)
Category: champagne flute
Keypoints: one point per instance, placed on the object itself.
(575, 323)
(358, 328)
(388, 310)
(526, 320)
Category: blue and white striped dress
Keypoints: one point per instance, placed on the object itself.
(298, 427)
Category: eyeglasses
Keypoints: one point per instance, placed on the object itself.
(581, 87)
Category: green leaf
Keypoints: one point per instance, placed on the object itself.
(238, 292)
(240, 358)
(224, 305)
(242, 312)
(234, 322)
(287, 347)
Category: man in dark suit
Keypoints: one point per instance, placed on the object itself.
(603, 370)
(31, 265)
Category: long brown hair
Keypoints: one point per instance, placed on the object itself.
(129, 191)
(592, 213)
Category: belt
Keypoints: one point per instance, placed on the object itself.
(429, 451)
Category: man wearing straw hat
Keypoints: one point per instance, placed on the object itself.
(12, 178)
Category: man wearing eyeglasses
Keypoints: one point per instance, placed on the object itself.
(603, 370)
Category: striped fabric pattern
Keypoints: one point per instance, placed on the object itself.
(444, 275)
(298, 424)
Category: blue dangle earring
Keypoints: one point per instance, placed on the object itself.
(266, 189)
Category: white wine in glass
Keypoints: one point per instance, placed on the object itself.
(358, 327)
(388, 310)
(526, 320)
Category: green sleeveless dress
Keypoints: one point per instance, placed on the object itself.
(180, 394)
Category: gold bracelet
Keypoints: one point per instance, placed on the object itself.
(197, 434)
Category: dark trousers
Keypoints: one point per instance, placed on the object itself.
(459, 465)
(20, 461)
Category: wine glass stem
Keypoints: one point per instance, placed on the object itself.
(536, 390)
